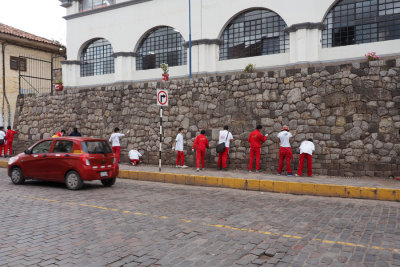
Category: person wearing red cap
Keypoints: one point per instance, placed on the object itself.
(200, 143)
(256, 139)
(285, 152)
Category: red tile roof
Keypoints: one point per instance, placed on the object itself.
(18, 33)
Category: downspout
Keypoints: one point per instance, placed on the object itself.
(3, 49)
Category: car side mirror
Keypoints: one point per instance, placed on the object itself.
(28, 151)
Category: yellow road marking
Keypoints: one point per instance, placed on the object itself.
(220, 225)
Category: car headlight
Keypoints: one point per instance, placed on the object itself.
(12, 160)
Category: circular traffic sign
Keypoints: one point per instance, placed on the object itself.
(162, 97)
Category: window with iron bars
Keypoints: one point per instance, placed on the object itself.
(97, 59)
(361, 21)
(254, 33)
(162, 45)
(85, 5)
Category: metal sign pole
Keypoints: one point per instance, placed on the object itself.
(161, 132)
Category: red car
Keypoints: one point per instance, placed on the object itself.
(66, 159)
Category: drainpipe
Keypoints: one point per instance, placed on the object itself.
(3, 49)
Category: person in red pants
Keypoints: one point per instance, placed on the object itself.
(200, 143)
(256, 139)
(2, 141)
(9, 141)
(285, 152)
(224, 137)
(306, 149)
(178, 147)
(114, 140)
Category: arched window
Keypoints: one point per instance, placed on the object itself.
(254, 33)
(85, 5)
(162, 45)
(97, 58)
(361, 21)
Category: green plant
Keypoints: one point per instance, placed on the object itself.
(164, 67)
(59, 81)
(249, 68)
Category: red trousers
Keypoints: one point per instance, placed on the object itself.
(200, 154)
(136, 161)
(116, 151)
(3, 147)
(223, 157)
(301, 164)
(285, 152)
(180, 157)
(8, 148)
(257, 152)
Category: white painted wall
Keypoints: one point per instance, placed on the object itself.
(125, 27)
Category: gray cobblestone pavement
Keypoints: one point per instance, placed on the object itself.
(317, 179)
(139, 223)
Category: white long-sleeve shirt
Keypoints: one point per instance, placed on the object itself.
(307, 147)
(134, 154)
(114, 139)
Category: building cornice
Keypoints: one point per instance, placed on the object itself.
(305, 25)
(204, 41)
(103, 9)
(70, 62)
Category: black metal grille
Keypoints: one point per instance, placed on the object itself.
(85, 5)
(163, 45)
(361, 21)
(254, 33)
(97, 59)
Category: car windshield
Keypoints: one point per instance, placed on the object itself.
(96, 147)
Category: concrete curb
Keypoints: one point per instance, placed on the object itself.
(327, 190)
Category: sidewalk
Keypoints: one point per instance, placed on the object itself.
(348, 187)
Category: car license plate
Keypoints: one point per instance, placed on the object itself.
(103, 174)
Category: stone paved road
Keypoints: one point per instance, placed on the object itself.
(153, 224)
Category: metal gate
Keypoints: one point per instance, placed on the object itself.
(37, 76)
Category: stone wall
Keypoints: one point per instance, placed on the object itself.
(350, 110)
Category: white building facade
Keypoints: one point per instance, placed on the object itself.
(113, 41)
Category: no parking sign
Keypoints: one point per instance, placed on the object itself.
(162, 97)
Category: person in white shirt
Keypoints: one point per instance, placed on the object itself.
(224, 137)
(284, 139)
(306, 149)
(178, 146)
(2, 141)
(134, 157)
(114, 140)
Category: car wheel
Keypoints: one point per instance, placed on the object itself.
(108, 182)
(16, 176)
(73, 180)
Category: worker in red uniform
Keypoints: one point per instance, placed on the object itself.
(9, 138)
(256, 139)
(200, 143)
(285, 152)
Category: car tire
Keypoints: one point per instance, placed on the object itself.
(16, 176)
(73, 180)
(108, 182)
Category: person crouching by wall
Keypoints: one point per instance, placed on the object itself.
(200, 144)
(134, 157)
(285, 152)
(306, 149)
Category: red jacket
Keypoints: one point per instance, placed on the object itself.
(201, 142)
(10, 136)
(256, 139)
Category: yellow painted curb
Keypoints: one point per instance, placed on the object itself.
(3, 164)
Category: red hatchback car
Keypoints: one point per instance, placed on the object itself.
(66, 159)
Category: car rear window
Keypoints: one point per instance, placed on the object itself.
(96, 147)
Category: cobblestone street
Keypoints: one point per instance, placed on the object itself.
(154, 224)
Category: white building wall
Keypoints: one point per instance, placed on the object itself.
(125, 27)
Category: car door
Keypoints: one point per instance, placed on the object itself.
(36, 164)
(61, 159)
